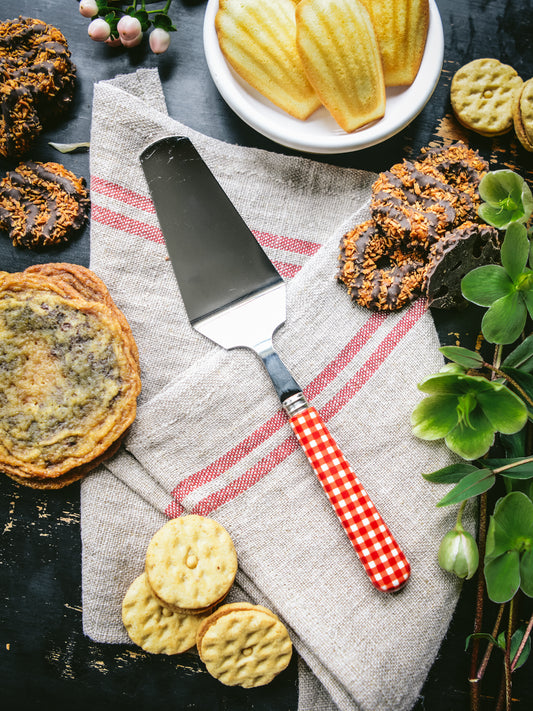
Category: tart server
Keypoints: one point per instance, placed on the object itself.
(234, 296)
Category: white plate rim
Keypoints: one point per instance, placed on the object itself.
(320, 133)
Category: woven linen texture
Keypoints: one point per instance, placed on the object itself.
(210, 435)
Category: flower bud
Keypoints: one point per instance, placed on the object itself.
(88, 8)
(129, 28)
(458, 553)
(99, 30)
(133, 42)
(159, 40)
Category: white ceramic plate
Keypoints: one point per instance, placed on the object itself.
(320, 133)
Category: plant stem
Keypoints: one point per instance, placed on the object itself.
(505, 467)
(507, 667)
(480, 593)
(522, 643)
(515, 385)
(490, 646)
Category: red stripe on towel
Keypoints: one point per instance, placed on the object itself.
(126, 224)
(290, 445)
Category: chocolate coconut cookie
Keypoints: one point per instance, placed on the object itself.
(37, 78)
(42, 204)
(417, 210)
(469, 246)
(69, 375)
(377, 273)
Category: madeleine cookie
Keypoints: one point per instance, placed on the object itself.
(156, 628)
(340, 54)
(42, 204)
(191, 564)
(401, 29)
(258, 39)
(523, 115)
(244, 645)
(69, 376)
(482, 96)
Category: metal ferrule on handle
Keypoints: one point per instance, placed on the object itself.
(381, 556)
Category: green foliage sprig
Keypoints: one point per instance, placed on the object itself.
(475, 406)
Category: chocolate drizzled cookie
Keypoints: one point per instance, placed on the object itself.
(416, 206)
(37, 78)
(42, 204)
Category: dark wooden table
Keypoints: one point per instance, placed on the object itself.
(46, 662)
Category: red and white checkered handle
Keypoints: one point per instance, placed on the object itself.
(382, 558)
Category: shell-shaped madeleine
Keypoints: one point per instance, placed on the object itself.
(340, 54)
(401, 29)
(258, 39)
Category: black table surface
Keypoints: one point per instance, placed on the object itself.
(46, 661)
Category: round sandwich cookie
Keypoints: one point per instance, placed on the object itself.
(37, 80)
(523, 115)
(42, 204)
(244, 645)
(482, 94)
(154, 627)
(191, 564)
(69, 375)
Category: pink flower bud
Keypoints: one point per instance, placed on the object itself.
(159, 40)
(88, 8)
(99, 30)
(129, 28)
(133, 42)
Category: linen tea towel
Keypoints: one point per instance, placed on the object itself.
(210, 436)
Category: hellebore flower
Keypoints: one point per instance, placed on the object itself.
(466, 411)
(507, 198)
(458, 553)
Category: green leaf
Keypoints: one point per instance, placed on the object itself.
(481, 635)
(522, 356)
(515, 250)
(516, 640)
(505, 411)
(163, 21)
(502, 576)
(462, 356)
(526, 573)
(472, 439)
(528, 299)
(514, 445)
(498, 540)
(487, 284)
(505, 320)
(143, 18)
(519, 471)
(434, 416)
(523, 380)
(450, 474)
(514, 513)
(454, 383)
(473, 484)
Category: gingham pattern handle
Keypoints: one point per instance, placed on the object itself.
(382, 558)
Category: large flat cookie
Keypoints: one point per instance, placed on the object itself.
(69, 375)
